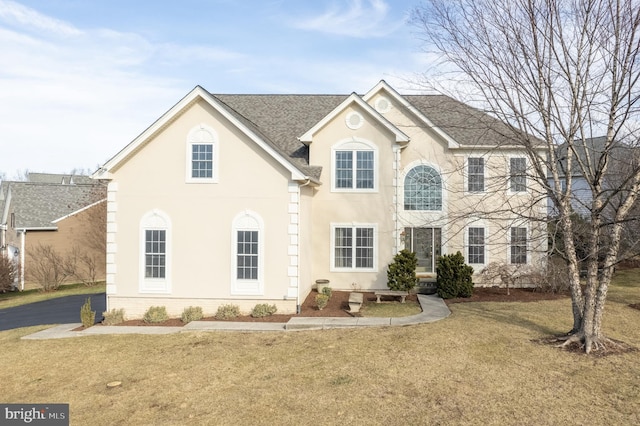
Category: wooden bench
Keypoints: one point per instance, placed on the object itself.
(399, 293)
(355, 301)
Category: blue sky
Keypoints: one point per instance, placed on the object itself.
(79, 79)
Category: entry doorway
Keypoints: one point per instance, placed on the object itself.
(426, 243)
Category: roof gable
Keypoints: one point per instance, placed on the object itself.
(400, 136)
(237, 120)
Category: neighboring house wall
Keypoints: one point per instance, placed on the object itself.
(75, 236)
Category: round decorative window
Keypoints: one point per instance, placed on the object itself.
(354, 120)
(382, 105)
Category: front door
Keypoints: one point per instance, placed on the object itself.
(426, 243)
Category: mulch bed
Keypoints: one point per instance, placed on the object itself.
(338, 305)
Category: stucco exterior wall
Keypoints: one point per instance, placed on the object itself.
(201, 216)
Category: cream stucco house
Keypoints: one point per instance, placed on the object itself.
(250, 199)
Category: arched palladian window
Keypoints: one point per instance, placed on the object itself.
(423, 189)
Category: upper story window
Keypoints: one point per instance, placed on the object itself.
(475, 174)
(423, 189)
(517, 174)
(354, 167)
(155, 253)
(202, 155)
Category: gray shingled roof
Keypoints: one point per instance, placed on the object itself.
(281, 119)
(59, 178)
(37, 205)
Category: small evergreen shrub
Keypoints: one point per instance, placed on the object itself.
(87, 316)
(401, 274)
(192, 313)
(226, 312)
(155, 314)
(113, 317)
(327, 290)
(263, 310)
(454, 277)
(321, 300)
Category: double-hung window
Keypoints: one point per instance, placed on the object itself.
(202, 155)
(354, 170)
(354, 247)
(518, 245)
(475, 174)
(247, 255)
(247, 265)
(155, 253)
(202, 161)
(476, 246)
(518, 174)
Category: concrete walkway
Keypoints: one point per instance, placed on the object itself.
(433, 309)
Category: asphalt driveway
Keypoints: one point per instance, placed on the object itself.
(61, 310)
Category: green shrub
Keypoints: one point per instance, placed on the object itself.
(113, 317)
(226, 312)
(87, 316)
(321, 300)
(454, 277)
(327, 290)
(192, 313)
(263, 310)
(401, 274)
(155, 314)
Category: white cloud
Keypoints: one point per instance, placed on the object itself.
(361, 18)
(15, 13)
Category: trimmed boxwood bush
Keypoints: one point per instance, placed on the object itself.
(226, 312)
(263, 310)
(454, 277)
(401, 274)
(192, 313)
(155, 314)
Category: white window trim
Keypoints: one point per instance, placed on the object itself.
(353, 225)
(403, 178)
(466, 175)
(527, 178)
(486, 245)
(155, 220)
(194, 138)
(355, 144)
(528, 246)
(247, 221)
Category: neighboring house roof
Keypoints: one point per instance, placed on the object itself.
(39, 205)
(589, 152)
(64, 179)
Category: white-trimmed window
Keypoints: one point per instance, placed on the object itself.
(354, 247)
(354, 167)
(248, 254)
(423, 189)
(475, 174)
(518, 245)
(202, 155)
(517, 174)
(155, 253)
(476, 245)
